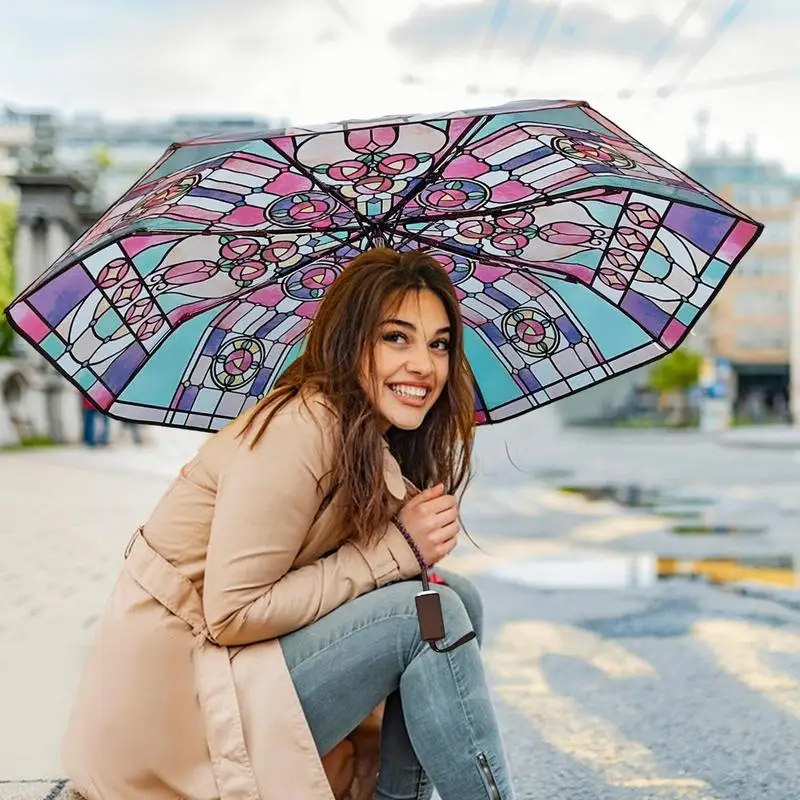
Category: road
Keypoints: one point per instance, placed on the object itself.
(613, 678)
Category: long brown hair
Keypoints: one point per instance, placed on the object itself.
(344, 331)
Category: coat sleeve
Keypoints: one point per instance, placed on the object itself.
(267, 498)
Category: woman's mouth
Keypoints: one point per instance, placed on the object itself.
(410, 394)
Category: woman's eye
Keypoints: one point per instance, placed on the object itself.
(442, 344)
(395, 337)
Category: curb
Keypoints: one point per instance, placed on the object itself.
(36, 789)
(788, 598)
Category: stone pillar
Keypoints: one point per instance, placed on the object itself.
(23, 254)
(49, 221)
(57, 240)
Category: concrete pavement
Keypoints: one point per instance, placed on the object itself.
(64, 528)
(763, 437)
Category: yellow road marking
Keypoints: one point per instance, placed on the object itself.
(531, 500)
(727, 570)
(573, 503)
(607, 530)
(522, 501)
(743, 649)
(466, 560)
(515, 660)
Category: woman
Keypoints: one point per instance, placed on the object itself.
(263, 633)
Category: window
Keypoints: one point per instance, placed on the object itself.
(762, 303)
(777, 231)
(754, 264)
(753, 338)
(767, 195)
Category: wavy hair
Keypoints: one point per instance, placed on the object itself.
(341, 337)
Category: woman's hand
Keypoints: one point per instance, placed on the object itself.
(431, 517)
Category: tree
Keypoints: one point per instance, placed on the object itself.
(675, 375)
(8, 227)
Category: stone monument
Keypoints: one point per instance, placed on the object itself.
(35, 401)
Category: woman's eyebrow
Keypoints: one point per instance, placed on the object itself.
(402, 323)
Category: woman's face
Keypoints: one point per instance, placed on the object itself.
(412, 360)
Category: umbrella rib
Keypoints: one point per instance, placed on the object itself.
(526, 268)
(492, 260)
(436, 171)
(525, 205)
(478, 388)
(332, 191)
(46, 277)
(264, 234)
(237, 296)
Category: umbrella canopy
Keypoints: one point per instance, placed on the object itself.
(577, 255)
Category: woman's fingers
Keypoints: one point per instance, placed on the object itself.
(439, 504)
(444, 548)
(446, 533)
(447, 516)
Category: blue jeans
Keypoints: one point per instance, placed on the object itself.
(90, 417)
(439, 724)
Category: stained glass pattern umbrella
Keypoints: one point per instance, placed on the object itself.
(577, 255)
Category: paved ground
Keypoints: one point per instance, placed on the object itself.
(610, 682)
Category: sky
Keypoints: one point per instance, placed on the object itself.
(653, 66)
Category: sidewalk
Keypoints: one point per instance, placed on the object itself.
(775, 437)
(66, 517)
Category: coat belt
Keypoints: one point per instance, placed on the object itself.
(230, 761)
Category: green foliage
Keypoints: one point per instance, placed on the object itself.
(8, 227)
(29, 443)
(677, 372)
(102, 158)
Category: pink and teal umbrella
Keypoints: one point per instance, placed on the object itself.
(577, 255)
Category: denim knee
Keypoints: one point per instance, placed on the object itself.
(470, 597)
(457, 621)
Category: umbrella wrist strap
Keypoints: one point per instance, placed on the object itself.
(429, 603)
(414, 549)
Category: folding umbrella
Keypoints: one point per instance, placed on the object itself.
(577, 254)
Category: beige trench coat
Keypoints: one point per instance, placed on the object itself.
(185, 693)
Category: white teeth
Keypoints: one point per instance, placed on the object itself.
(409, 391)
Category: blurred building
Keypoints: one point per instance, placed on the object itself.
(122, 150)
(117, 152)
(16, 135)
(749, 323)
(794, 344)
(62, 173)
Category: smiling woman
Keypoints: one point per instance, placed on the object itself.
(388, 329)
(410, 361)
(281, 564)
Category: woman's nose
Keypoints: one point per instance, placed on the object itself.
(420, 361)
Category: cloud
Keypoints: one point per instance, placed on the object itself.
(302, 60)
(141, 60)
(581, 27)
